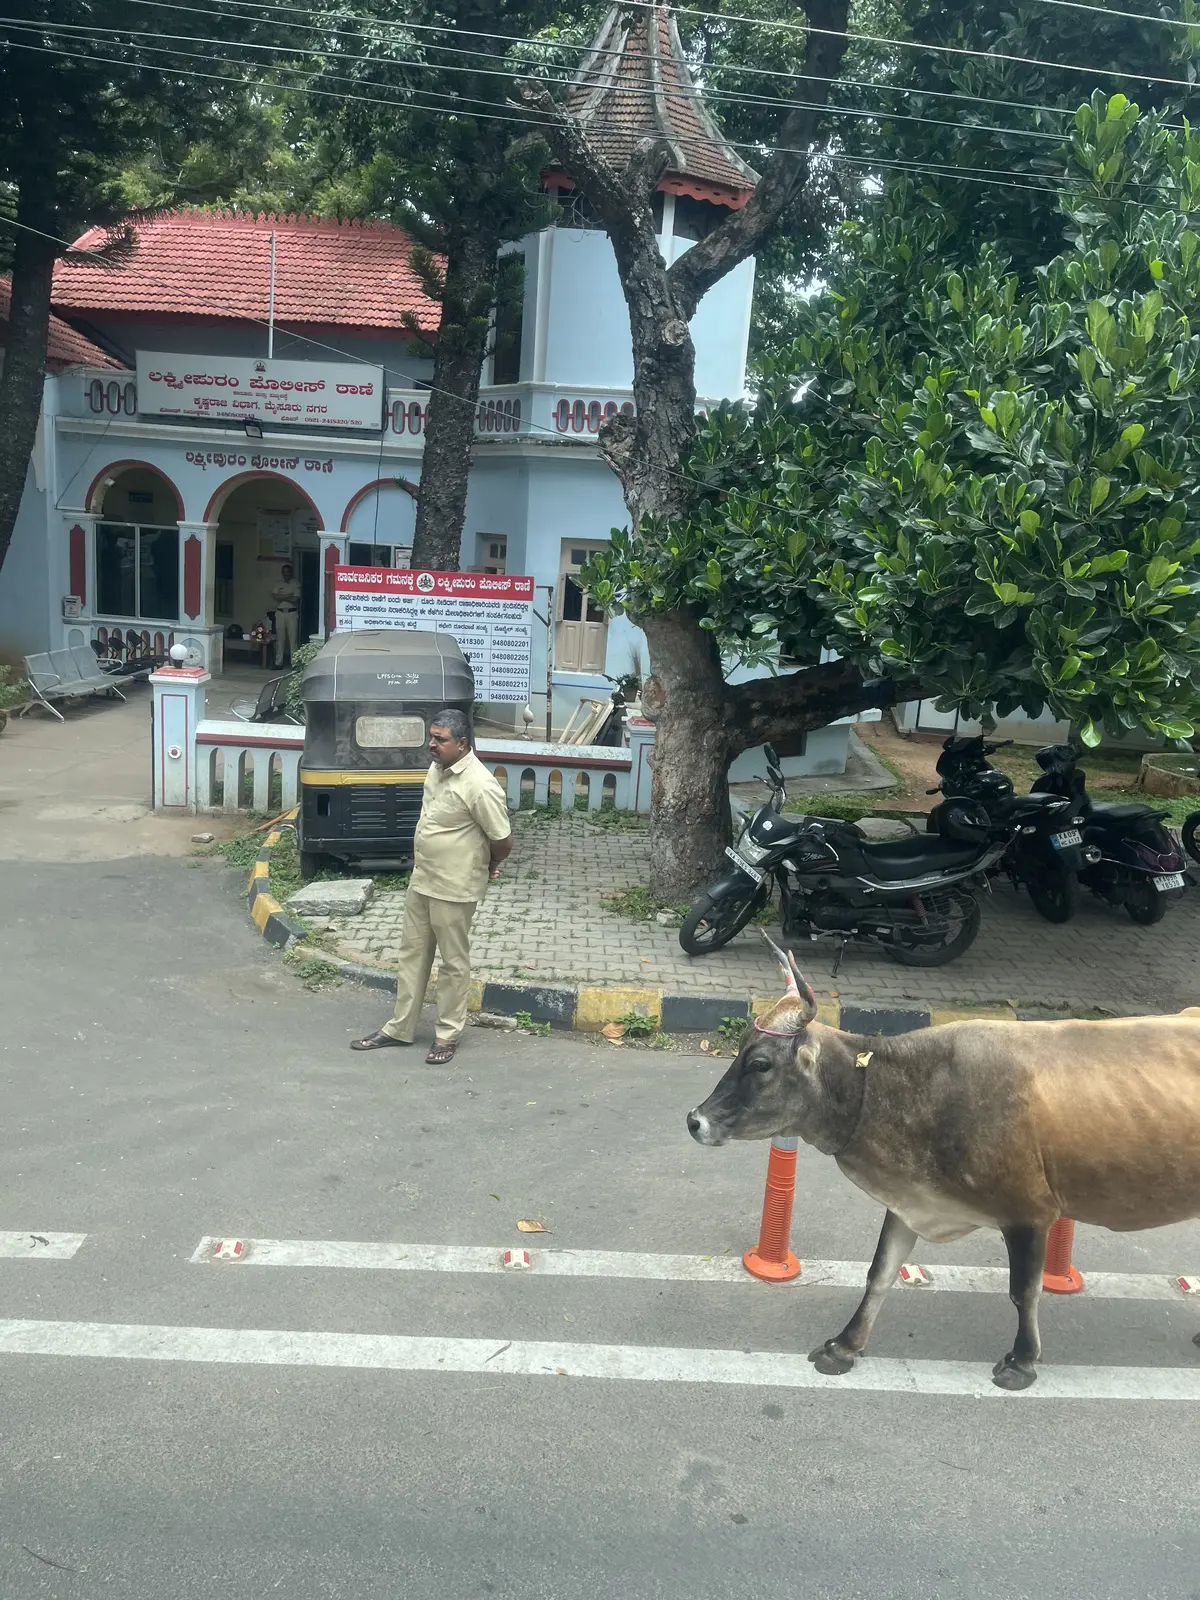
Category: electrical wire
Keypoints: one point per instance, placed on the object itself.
(950, 170)
(510, 74)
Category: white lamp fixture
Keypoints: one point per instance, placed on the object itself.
(253, 428)
(527, 719)
(178, 654)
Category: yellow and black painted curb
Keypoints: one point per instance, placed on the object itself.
(587, 1010)
(268, 916)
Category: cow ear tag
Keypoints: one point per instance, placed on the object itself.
(863, 1059)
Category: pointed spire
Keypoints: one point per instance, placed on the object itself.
(635, 83)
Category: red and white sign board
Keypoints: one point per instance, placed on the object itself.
(490, 616)
(296, 394)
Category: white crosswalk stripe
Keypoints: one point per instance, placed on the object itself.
(39, 1246)
(531, 1358)
(385, 1257)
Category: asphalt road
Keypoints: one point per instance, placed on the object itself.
(164, 1078)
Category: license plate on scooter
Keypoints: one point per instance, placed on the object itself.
(1064, 841)
(753, 872)
(1169, 880)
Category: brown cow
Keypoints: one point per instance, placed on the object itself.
(1007, 1125)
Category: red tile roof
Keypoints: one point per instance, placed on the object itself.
(218, 264)
(65, 347)
(635, 83)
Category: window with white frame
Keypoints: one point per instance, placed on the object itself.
(581, 636)
(491, 552)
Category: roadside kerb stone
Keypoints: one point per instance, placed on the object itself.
(543, 930)
(336, 897)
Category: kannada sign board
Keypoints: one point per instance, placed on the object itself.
(294, 394)
(490, 616)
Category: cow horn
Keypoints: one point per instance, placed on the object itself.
(787, 965)
(799, 1005)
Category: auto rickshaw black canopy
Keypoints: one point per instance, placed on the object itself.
(380, 665)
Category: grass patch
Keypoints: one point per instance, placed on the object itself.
(618, 821)
(640, 904)
(314, 973)
(524, 1021)
(842, 807)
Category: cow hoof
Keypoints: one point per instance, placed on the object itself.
(831, 1359)
(1007, 1375)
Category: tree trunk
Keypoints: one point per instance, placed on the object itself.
(685, 699)
(459, 353)
(693, 710)
(24, 374)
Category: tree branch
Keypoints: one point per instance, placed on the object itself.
(767, 709)
(744, 231)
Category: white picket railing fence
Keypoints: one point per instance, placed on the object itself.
(255, 754)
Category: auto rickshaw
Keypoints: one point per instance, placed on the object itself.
(369, 697)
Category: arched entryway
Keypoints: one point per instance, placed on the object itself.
(264, 524)
(379, 522)
(136, 552)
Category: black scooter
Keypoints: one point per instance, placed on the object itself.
(1045, 849)
(913, 897)
(1137, 865)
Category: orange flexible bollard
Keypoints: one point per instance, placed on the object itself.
(770, 1259)
(1060, 1277)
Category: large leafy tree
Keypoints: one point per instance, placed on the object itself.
(700, 720)
(80, 98)
(986, 492)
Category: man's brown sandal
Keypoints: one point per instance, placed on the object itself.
(442, 1053)
(377, 1041)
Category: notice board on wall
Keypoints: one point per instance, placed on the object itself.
(490, 615)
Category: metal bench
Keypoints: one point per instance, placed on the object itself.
(270, 706)
(63, 674)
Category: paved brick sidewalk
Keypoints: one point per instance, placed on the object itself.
(544, 921)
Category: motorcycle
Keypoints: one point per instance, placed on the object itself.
(1188, 834)
(1137, 865)
(913, 897)
(1045, 850)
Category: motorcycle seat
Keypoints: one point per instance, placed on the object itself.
(896, 859)
(1111, 816)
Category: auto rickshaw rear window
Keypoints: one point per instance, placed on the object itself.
(389, 733)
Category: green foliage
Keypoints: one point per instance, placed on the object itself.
(301, 658)
(637, 1026)
(985, 488)
(14, 691)
(524, 1021)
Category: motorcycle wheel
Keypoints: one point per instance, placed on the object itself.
(713, 922)
(1055, 895)
(1144, 903)
(960, 934)
(1188, 834)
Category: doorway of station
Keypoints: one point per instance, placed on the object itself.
(266, 563)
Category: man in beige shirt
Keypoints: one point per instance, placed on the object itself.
(462, 837)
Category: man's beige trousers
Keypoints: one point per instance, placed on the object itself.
(429, 925)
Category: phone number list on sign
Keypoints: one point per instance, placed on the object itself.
(490, 616)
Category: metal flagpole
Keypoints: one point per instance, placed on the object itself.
(271, 308)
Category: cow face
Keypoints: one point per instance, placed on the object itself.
(765, 1091)
(774, 1076)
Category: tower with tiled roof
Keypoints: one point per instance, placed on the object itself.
(634, 83)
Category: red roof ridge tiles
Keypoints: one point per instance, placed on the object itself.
(215, 265)
(635, 83)
(65, 346)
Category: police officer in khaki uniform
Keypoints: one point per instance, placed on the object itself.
(463, 836)
(286, 595)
